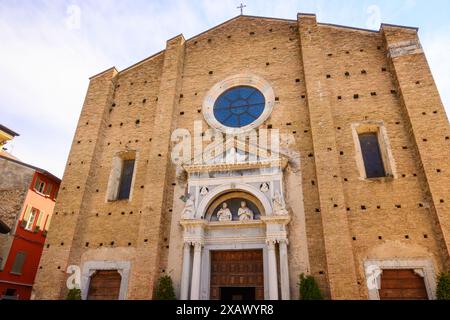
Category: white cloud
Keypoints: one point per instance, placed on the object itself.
(437, 47)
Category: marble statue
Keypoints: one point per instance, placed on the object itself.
(189, 209)
(264, 187)
(244, 212)
(224, 214)
(204, 191)
(279, 207)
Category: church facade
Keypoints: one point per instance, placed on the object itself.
(257, 151)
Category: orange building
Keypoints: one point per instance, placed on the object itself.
(27, 199)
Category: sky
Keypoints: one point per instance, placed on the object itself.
(49, 49)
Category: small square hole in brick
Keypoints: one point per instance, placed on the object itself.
(339, 97)
(267, 63)
(181, 113)
(363, 208)
(406, 237)
(354, 238)
(380, 238)
(373, 94)
(297, 80)
(363, 72)
(393, 92)
(398, 206)
(328, 76)
(211, 72)
(383, 69)
(137, 121)
(356, 96)
(303, 96)
(318, 210)
(252, 33)
(347, 74)
(269, 126)
(277, 98)
(425, 236)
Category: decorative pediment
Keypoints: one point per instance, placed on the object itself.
(235, 154)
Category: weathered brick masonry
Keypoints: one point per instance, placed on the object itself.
(326, 78)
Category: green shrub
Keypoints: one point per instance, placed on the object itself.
(164, 290)
(74, 294)
(309, 290)
(443, 286)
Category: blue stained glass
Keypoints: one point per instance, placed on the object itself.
(239, 106)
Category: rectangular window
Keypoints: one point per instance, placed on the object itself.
(372, 157)
(18, 263)
(126, 178)
(39, 186)
(33, 215)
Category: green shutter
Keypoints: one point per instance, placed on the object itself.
(40, 218)
(47, 224)
(27, 213)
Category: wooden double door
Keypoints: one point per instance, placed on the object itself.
(237, 275)
(104, 285)
(402, 285)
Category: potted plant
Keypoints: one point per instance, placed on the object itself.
(443, 286)
(309, 290)
(164, 290)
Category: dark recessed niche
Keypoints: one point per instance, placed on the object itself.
(378, 207)
(121, 124)
(442, 201)
(363, 208)
(383, 69)
(130, 103)
(267, 63)
(229, 37)
(341, 153)
(270, 30)
(380, 238)
(348, 209)
(339, 97)
(379, 48)
(303, 96)
(398, 206)
(397, 122)
(274, 48)
(345, 179)
(137, 121)
(101, 244)
(277, 98)
(406, 237)
(317, 210)
(209, 40)
(417, 82)
(363, 72)
(328, 76)
(211, 72)
(144, 100)
(109, 125)
(335, 205)
(347, 74)
(297, 80)
(252, 33)
(347, 52)
(181, 113)
(330, 54)
(129, 243)
(420, 205)
(269, 126)
(159, 155)
(310, 155)
(373, 94)
(145, 240)
(356, 96)
(354, 238)
(112, 243)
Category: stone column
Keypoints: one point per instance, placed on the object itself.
(185, 276)
(195, 284)
(273, 278)
(284, 271)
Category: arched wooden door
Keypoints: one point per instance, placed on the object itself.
(104, 285)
